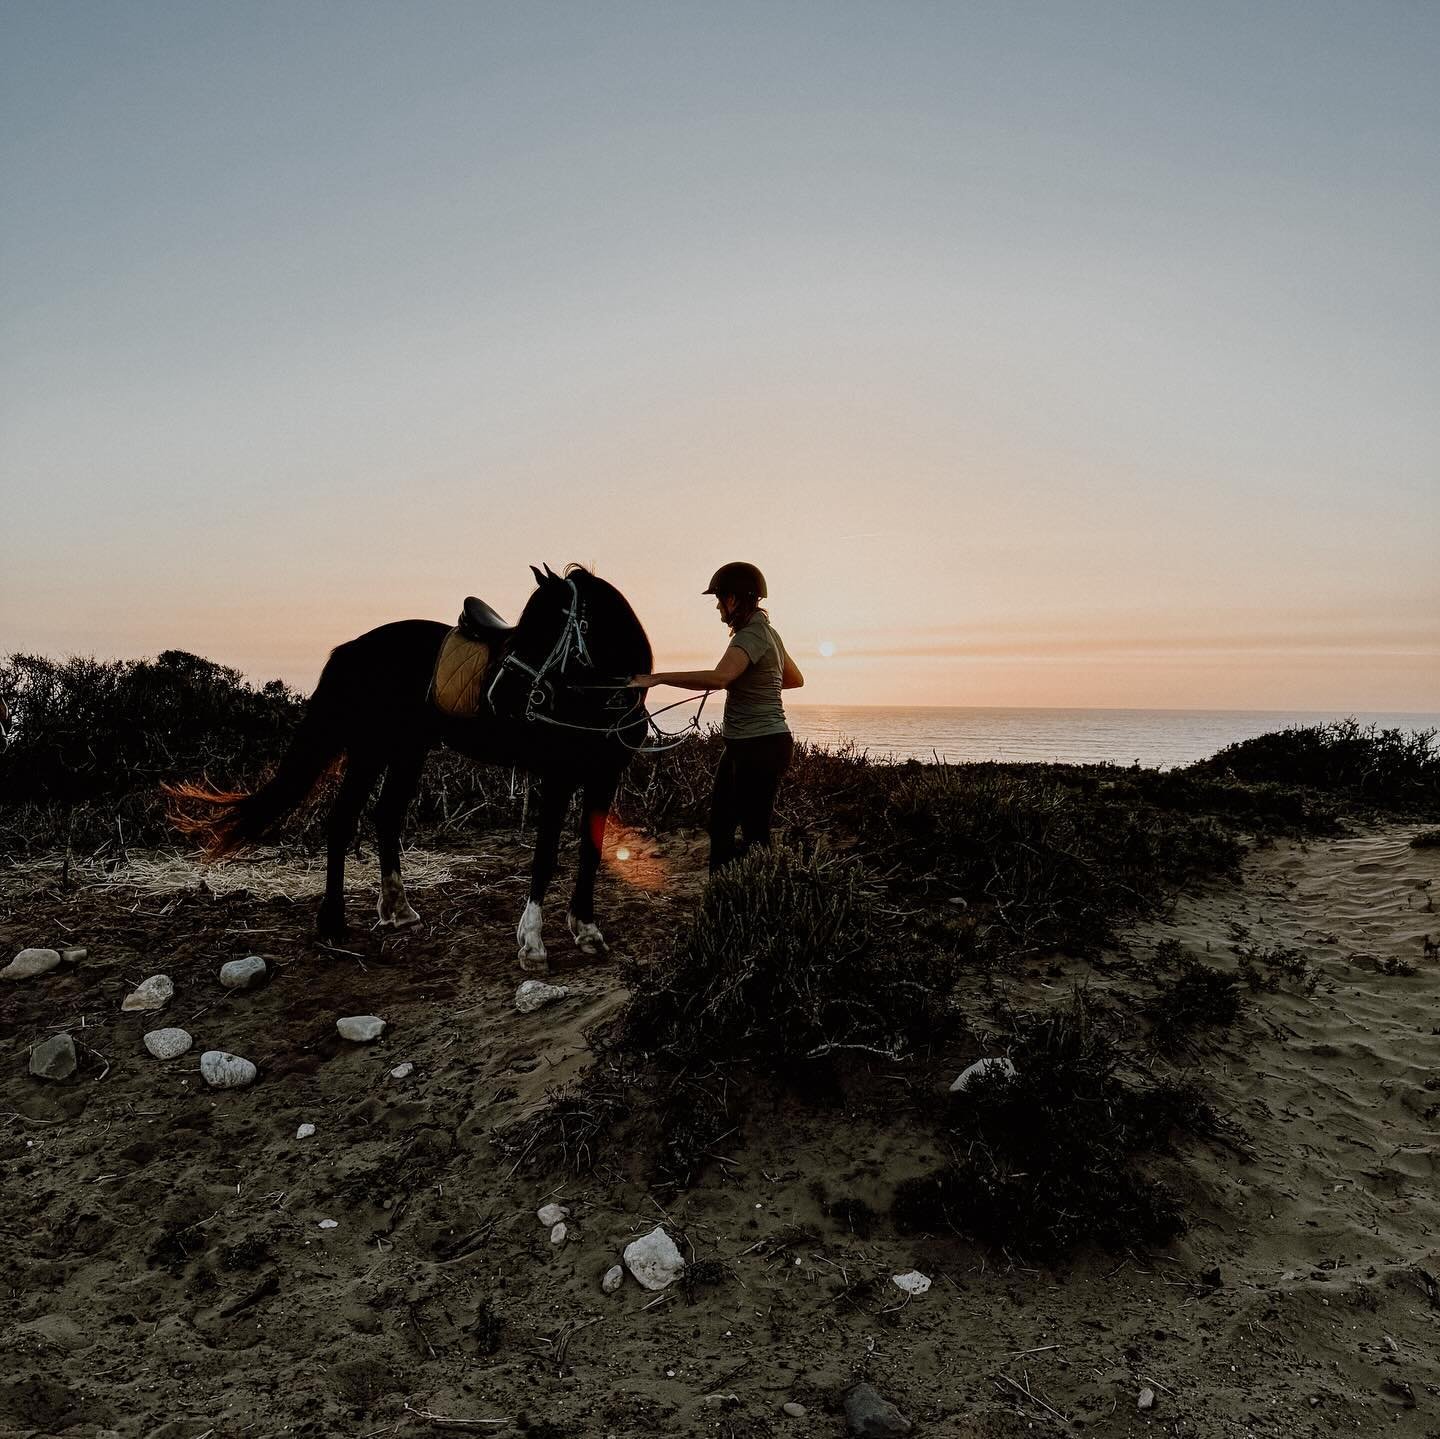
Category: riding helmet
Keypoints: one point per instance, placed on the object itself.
(737, 578)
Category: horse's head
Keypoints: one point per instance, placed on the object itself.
(578, 642)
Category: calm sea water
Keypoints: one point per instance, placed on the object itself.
(1156, 738)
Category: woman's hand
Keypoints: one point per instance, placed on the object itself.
(641, 682)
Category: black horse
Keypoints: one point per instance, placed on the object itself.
(556, 705)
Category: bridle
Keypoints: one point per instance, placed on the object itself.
(548, 679)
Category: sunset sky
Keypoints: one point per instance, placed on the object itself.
(1041, 353)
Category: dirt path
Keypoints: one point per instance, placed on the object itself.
(166, 1274)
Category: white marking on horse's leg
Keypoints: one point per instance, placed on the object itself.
(527, 936)
(394, 909)
(587, 936)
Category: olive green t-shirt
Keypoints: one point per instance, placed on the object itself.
(752, 703)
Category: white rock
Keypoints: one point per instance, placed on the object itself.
(73, 956)
(30, 962)
(362, 1028)
(1147, 1399)
(168, 1043)
(226, 1071)
(54, 1058)
(912, 1283)
(243, 973)
(551, 1214)
(984, 1067)
(329, 1224)
(155, 993)
(794, 1410)
(533, 993)
(614, 1278)
(654, 1260)
(558, 1233)
(402, 1071)
(305, 1131)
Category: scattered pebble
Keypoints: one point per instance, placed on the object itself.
(794, 1410)
(74, 956)
(402, 1071)
(614, 1278)
(912, 1283)
(558, 1233)
(1391, 1345)
(168, 1043)
(871, 1416)
(534, 992)
(362, 1028)
(226, 1071)
(31, 962)
(329, 1224)
(654, 1260)
(305, 1131)
(54, 1058)
(155, 993)
(551, 1214)
(1147, 1399)
(981, 1067)
(244, 973)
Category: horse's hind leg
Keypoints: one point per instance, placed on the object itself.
(599, 795)
(402, 779)
(555, 793)
(360, 775)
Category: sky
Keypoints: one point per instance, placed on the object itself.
(1071, 353)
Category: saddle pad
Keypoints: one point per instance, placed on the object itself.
(457, 688)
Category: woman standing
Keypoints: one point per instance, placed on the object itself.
(758, 743)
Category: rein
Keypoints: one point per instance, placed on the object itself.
(572, 643)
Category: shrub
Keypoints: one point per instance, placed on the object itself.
(1198, 995)
(1048, 1160)
(786, 960)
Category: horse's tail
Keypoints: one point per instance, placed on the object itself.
(230, 822)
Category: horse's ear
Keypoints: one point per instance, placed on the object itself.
(539, 578)
(551, 573)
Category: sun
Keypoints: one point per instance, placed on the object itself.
(827, 648)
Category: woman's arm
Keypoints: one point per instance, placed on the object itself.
(790, 676)
(731, 667)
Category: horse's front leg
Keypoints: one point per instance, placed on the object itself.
(599, 795)
(360, 774)
(554, 800)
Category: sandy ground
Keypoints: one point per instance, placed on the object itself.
(166, 1276)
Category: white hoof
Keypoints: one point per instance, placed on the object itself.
(394, 909)
(531, 949)
(587, 936)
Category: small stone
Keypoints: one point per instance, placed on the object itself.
(168, 1043)
(1147, 1399)
(614, 1278)
(871, 1416)
(226, 1071)
(534, 992)
(558, 1233)
(155, 993)
(329, 1224)
(402, 1071)
(244, 973)
(73, 956)
(985, 1067)
(794, 1410)
(362, 1028)
(31, 962)
(54, 1058)
(912, 1283)
(305, 1131)
(654, 1260)
(1391, 1345)
(551, 1214)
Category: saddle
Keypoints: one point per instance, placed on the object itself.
(457, 685)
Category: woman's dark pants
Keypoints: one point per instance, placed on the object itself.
(745, 787)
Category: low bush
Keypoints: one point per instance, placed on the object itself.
(1050, 1159)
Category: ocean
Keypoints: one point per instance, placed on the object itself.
(1158, 739)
